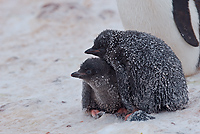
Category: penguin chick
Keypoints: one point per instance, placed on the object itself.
(100, 90)
(174, 21)
(148, 73)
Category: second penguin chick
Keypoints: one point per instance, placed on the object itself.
(100, 90)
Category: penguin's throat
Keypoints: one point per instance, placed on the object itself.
(104, 91)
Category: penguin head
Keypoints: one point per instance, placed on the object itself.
(92, 68)
(101, 43)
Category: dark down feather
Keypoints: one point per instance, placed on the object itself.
(148, 73)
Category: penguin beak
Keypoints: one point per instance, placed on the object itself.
(92, 51)
(78, 75)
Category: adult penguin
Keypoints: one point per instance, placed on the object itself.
(174, 21)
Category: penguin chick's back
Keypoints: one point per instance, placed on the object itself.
(149, 74)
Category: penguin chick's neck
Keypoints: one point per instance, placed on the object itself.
(105, 90)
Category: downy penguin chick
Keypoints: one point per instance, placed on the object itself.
(148, 73)
(174, 21)
(100, 89)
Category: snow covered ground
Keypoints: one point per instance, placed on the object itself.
(41, 44)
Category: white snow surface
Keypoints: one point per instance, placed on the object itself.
(41, 43)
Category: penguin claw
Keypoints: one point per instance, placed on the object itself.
(96, 113)
(138, 116)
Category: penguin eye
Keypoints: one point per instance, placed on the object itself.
(88, 72)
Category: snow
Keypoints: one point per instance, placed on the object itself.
(41, 44)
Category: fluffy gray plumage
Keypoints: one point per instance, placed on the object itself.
(148, 73)
(100, 90)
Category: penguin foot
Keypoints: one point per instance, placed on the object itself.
(121, 113)
(139, 116)
(96, 113)
(129, 113)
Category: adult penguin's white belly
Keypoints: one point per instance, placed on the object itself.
(174, 21)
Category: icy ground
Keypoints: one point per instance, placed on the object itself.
(41, 44)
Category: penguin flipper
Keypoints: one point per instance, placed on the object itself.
(197, 3)
(122, 79)
(87, 101)
(182, 20)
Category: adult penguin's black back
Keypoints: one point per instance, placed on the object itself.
(149, 74)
